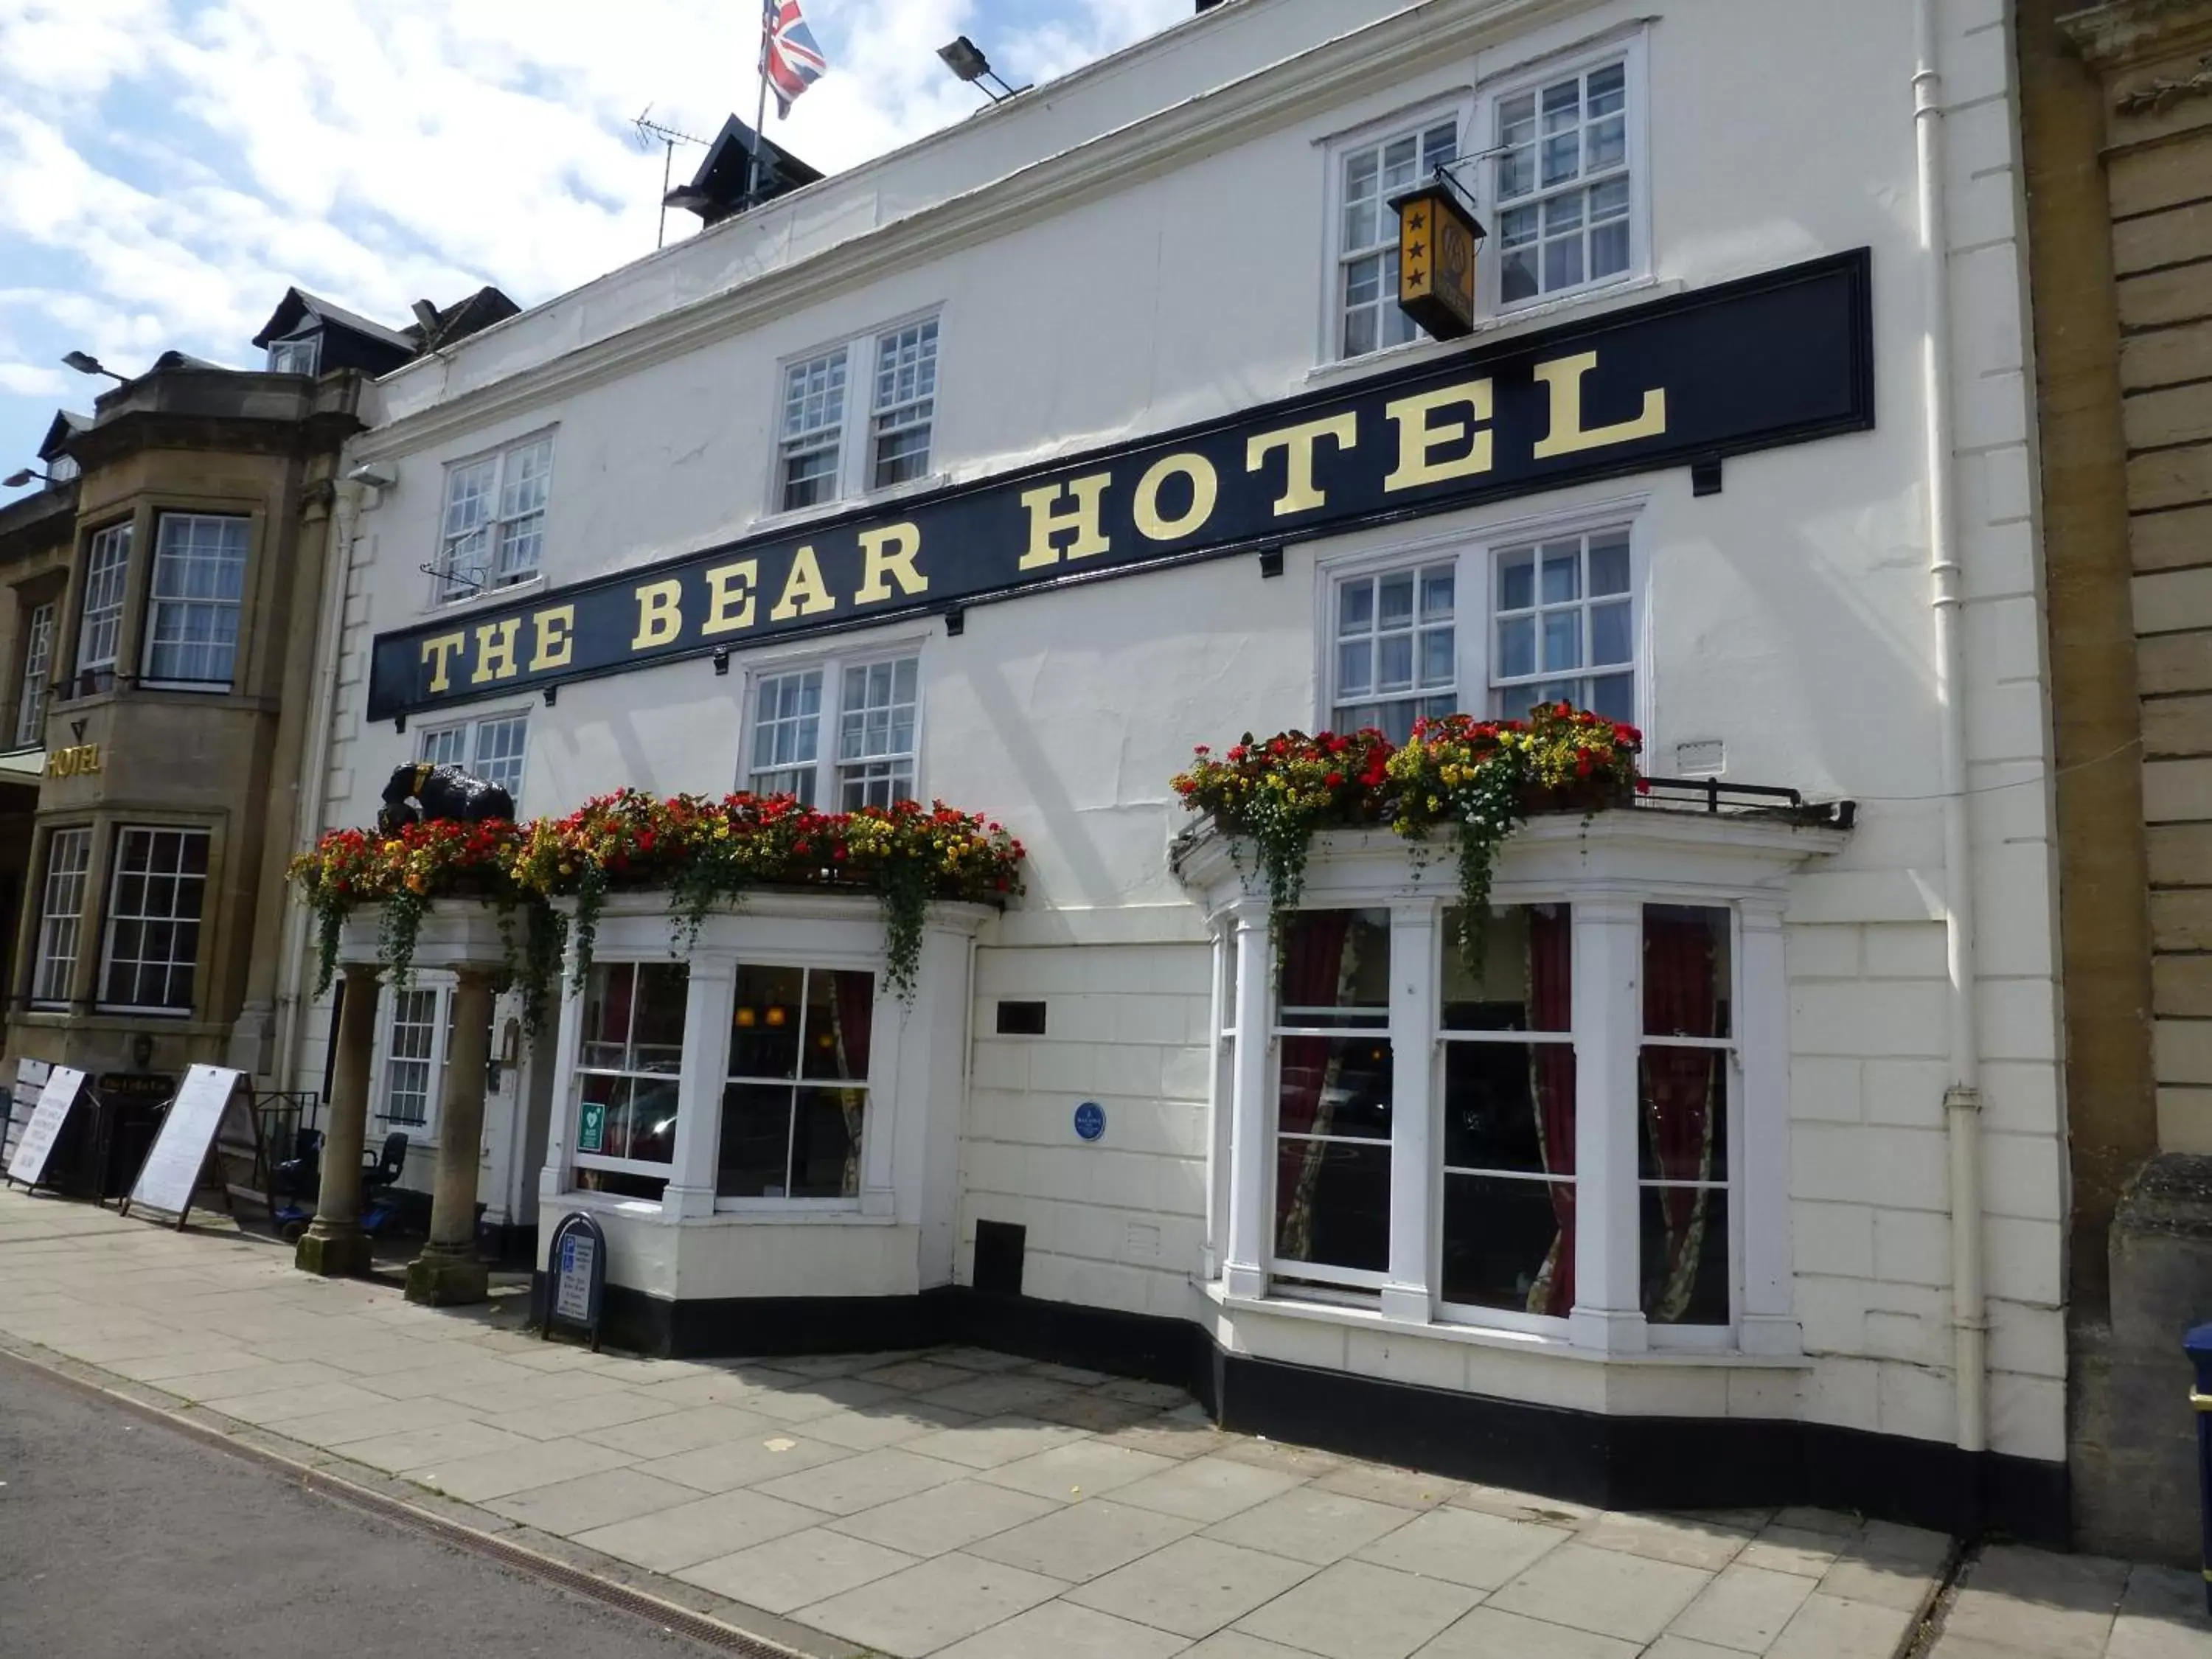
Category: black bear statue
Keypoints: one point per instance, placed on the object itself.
(423, 794)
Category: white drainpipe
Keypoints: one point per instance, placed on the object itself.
(1962, 1101)
(315, 772)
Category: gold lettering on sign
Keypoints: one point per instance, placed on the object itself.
(659, 614)
(730, 596)
(439, 653)
(887, 556)
(1421, 435)
(1205, 491)
(1048, 521)
(1299, 444)
(496, 652)
(1569, 436)
(805, 592)
(556, 638)
(80, 761)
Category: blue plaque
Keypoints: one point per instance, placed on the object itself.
(1090, 1120)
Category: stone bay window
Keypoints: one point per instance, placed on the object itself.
(1571, 1134)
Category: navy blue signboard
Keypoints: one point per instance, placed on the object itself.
(576, 1278)
(1091, 1120)
(1772, 360)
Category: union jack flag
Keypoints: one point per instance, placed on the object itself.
(791, 59)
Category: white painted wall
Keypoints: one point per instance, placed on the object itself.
(1130, 251)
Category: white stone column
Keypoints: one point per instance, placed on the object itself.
(1220, 1097)
(1609, 952)
(707, 1014)
(1413, 1110)
(561, 1117)
(1251, 1133)
(1761, 1177)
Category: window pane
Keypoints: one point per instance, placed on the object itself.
(1437, 659)
(1526, 982)
(839, 1017)
(38, 665)
(1609, 635)
(1609, 562)
(1516, 582)
(154, 908)
(1510, 1244)
(1336, 969)
(1437, 589)
(825, 1157)
(1336, 1087)
(1686, 971)
(1563, 640)
(764, 1034)
(1516, 648)
(1395, 670)
(1682, 1115)
(1563, 263)
(755, 1161)
(657, 1031)
(1614, 697)
(1397, 592)
(608, 994)
(1353, 659)
(1332, 1204)
(100, 624)
(1517, 276)
(1608, 255)
(1509, 1107)
(652, 1121)
(1684, 1237)
(1355, 607)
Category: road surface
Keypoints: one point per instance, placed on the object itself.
(120, 1538)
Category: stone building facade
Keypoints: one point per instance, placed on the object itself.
(2117, 123)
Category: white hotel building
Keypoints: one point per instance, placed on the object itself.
(1008, 467)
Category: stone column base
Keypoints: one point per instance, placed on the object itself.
(337, 1253)
(440, 1281)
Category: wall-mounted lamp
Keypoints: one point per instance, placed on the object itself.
(965, 59)
(371, 476)
(1437, 238)
(85, 363)
(777, 1017)
(22, 475)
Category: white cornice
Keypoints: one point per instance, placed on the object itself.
(1370, 59)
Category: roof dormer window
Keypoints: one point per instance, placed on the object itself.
(300, 356)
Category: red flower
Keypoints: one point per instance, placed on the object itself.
(1334, 781)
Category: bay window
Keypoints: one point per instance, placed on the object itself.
(1566, 1125)
(191, 614)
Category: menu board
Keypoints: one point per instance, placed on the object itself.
(23, 1100)
(29, 1163)
(172, 1171)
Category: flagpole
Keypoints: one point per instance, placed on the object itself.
(760, 118)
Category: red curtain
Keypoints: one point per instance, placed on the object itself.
(854, 1009)
(1552, 1078)
(1681, 1090)
(1313, 977)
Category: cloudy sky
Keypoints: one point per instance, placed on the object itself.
(167, 168)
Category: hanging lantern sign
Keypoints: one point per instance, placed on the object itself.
(1437, 237)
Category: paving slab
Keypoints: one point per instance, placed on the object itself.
(788, 1572)
(1493, 1633)
(1607, 1592)
(1355, 1610)
(1208, 1489)
(862, 1480)
(1192, 1589)
(1745, 1608)
(1079, 1542)
(1088, 1468)
(956, 1516)
(1064, 1631)
(1465, 1546)
(1308, 1525)
(931, 1605)
(670, 1540)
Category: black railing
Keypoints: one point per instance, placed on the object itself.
(1716, 798)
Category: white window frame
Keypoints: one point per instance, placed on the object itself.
(573, 1087)
(498, 520)
(439, 986)
(200, 924)
(302, 355)
(156, 602)
(1459, 106)
(1632, 53)
(57, 917)
(828, 962)
(39, 624)
(854, 477)
(472, 733)
(1511, 700)
(107, 562)
(1475, 549)
(829, 769)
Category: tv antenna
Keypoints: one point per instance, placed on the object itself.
(651, 132)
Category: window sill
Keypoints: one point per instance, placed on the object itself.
(1510, 1342)
(1503, 325)
(638, 1209)
(795, 518)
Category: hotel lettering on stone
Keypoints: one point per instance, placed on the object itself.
(1009, 468)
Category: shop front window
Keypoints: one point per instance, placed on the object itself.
(627, 1067)
(795, 1104)
(1332, 1162)
(1509, 1111)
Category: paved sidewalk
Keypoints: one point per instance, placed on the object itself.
(974, 1505)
